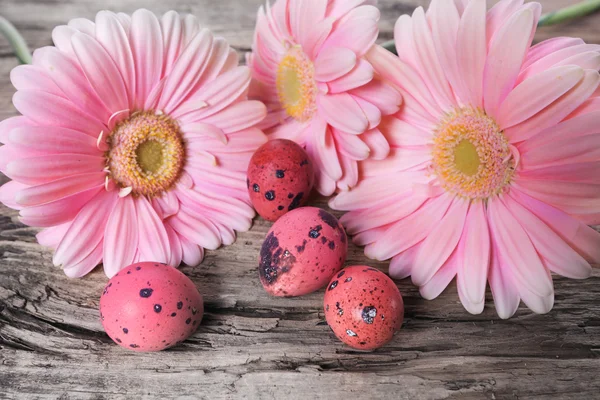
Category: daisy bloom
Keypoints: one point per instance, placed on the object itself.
(494, 170)
(308, 67)
(133, 142)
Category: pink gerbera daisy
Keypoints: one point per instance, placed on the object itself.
(133, 143)
(494, 169)
(309, 69)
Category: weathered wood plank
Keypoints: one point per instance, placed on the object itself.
(251, 345)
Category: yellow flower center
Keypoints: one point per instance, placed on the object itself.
(146, 153)
(471, 155)
(296, 85)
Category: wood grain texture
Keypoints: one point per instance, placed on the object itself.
(253, 346)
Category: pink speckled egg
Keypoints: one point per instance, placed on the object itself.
(363, 307)
(280, 178)
(150, 307)
(301, 253)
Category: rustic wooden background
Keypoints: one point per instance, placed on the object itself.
(250, 345)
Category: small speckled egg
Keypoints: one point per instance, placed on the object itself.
(280, 178)
(301, 253)
(150, 307)
(363, 307)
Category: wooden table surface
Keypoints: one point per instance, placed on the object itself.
(251, 345)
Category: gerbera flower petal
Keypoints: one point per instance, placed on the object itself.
(536, 93)
(475, 248)
(152, 233)
(121, 236)
(334, 63)
(507, 51)
(440, 242)
(343, 112)
(147, 48)
(440, 280)
(74, 246)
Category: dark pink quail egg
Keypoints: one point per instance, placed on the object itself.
(150, 307)
(363, 307)
(280, 178)
(302, 251)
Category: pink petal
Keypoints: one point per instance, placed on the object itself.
(557, 111)
(198, 129)
(356, 31)
(83, 25)
(187, 71)
(361, 75)
(192, 255)
(75, 246)
(475, 249)
(317, 35)
(101, 71)
(440, 243)
(172, 31)
(69, 77)
(560, 57)
(53, 140)
(537, 304)
(343, 113)
(33, 77)
(61, 36)
(585, 172)
(350, 174)
(52, 191)
(153, 237)
(433, 72)
(9, 124)
(548, 47)
(47, 109)
(327, 153)
(370, 111)
(215, 95)
(57, 212)
(373, 191)
(8, 193)
(44, 169)
(197, 229)
(559, 256)
(470, 306)
(579, 236)
(402, 75)
(565, 151)
(396, 209)
(51, 237)
(147, 48)
(303, 15)
(86, 265)
(380, 94)
(402, 264)
(111, 34)
(402, 134)
(499, 14)
(334, 63)
(351, 145)
(471, 48)
(120, 236)
(537, 93)
(240, 116)
(505, 57)
(176, 253)
(442, 278)
(410, 231)
(515, 246)
(506, 295)
(378, 144)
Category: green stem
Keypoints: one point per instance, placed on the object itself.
(15, 40)
(568, 13)
(578, 10)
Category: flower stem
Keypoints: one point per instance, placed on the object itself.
(16, 41)
(575, 11)
(578, 10)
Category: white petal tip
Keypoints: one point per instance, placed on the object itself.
(125, 192)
